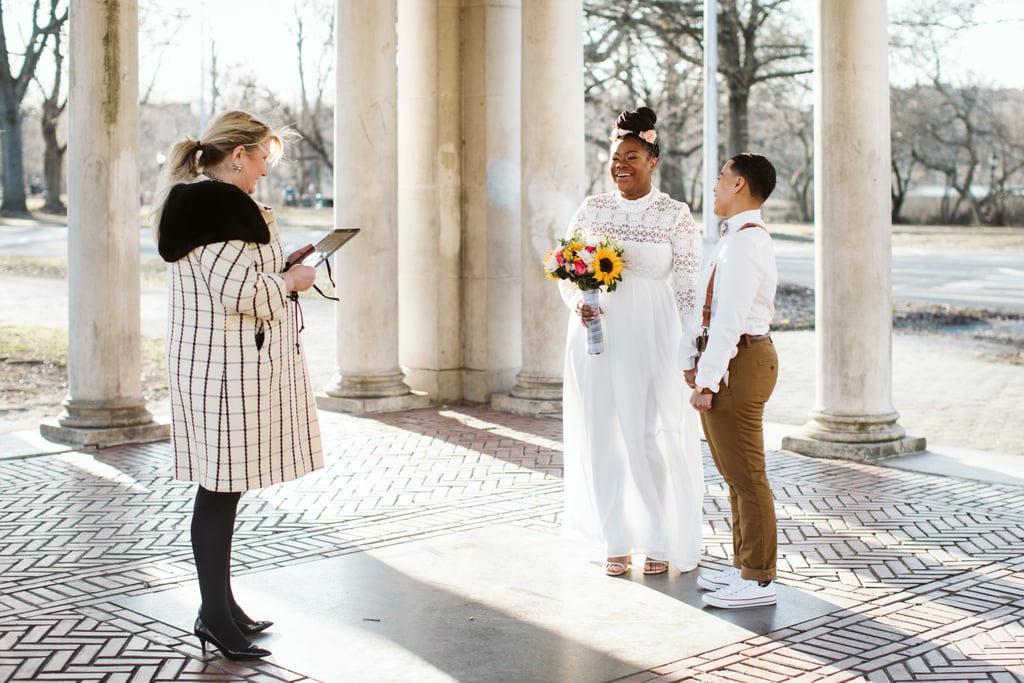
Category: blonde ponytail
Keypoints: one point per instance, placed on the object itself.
(189, 158)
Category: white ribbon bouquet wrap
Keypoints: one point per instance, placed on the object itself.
(591, 266)
(595, 335)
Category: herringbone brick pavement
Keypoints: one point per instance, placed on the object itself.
(926, 571)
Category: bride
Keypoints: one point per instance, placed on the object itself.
(634, 482)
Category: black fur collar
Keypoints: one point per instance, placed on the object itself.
(202, 213)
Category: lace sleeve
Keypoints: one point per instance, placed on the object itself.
(686, 255)
(570, 292)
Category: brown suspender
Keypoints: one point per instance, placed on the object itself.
(706, 319)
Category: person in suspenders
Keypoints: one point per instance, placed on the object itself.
(731, 365)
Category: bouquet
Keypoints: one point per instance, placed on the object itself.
(589, 267)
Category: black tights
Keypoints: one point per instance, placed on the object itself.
(213, 526)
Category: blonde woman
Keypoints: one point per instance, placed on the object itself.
(243, 415)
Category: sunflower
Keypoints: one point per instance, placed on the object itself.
(607, 265)
(571, 251)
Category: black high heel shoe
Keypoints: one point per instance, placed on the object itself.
(251, 628)
(206, 636)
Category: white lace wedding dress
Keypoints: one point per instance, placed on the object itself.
(634, 482)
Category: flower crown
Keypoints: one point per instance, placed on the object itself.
(648, 136)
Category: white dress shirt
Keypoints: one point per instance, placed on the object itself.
(743, 300)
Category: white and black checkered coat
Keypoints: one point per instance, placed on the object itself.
(242, 406)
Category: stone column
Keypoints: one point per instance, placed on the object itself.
(104, 405)
(430, 197)
(552, 189)
(368, 378)
(491, 268)
(853, 417)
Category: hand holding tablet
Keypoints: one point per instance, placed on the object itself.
(330, 243)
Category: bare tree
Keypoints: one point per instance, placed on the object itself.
(652, 52)
(311, 114)
(313, 33)
(14, 84)
(756, 46)
(784, 129)
(1006, 162)
(627, 67)
(960, 136)
(906, 112)
(159, 27)
(921, 30)
(54, 105)
(957, 132)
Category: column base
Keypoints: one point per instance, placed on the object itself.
(858, 452)
(537, 387)
(105, 422)
(863, 437)
(386, 385)
(370, 405)
(534, 407)
(107, 413)
(534, 395)
(102, 437)
(365, 394)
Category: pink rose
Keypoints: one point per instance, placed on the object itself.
(559, 257)
(648, 135)
(590, 248)
(581, 267)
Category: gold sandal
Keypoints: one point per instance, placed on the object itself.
(616, 566)
(655, 566)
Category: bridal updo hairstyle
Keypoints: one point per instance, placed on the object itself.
(630, 124)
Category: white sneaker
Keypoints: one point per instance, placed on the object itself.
(712, 582)
(742, 593)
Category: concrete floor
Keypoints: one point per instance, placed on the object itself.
(428, 549)
(450, 609)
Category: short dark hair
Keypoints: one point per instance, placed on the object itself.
(757, 171)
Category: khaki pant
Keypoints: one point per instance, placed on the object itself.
(734, 430)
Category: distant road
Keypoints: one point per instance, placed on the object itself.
(970, 278)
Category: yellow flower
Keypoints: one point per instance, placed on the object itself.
(607, 265)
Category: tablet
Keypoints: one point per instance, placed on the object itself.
(332, 242)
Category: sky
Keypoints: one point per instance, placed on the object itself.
(995, 48)
(255, 36)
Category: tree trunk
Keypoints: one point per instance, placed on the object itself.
(739, 129)
(13, 166)
(671, 177)
(53, 166)
(899, 194)
(801, 183)
(807, 199)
